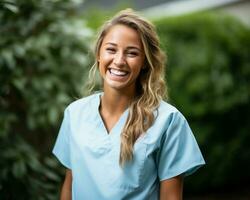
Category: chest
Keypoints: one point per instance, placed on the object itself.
(98, 155)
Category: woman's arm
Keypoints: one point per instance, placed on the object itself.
(171, 189)
(66, 192)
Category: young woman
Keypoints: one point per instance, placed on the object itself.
(126, 142)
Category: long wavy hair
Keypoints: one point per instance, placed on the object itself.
(150, 85)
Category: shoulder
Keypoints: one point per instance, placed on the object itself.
(82, 102)
(167, 107)
(168, 117)
(174, 122)
(168, 123)
(168, 111)
(82, 105)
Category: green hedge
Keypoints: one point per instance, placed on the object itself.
(44, 52)
(44, 56)
(208, 75)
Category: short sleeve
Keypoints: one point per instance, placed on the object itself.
(179, 152)
(62, 146)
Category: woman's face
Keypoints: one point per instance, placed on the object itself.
(121, 58)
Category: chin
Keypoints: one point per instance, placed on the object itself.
(117, 87)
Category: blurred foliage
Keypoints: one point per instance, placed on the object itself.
(208, 75)
(43, 58)
(95, 15)
(23, 176)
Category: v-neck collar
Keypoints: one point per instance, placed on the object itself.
(118, 125)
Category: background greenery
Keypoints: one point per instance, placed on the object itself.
(208, 74)
(44, 59)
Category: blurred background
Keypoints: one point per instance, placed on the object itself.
(46, 52)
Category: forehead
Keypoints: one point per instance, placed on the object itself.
(122, 35)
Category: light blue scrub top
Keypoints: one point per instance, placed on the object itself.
(166, 150)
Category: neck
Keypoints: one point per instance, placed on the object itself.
(116, 102)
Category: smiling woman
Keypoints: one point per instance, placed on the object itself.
(120, 59)
(126, 142)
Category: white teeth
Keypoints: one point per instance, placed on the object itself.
(118, 72)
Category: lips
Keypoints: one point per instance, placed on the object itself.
(118, 72)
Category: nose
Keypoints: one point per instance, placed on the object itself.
(119, 59)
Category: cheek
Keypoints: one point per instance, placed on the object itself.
(104, 57)
(103, 61)
(138, 64)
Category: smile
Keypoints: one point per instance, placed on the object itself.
(117, 72)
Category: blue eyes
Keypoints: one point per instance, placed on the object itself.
(129, 53)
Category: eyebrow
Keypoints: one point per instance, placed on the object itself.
(129, 47)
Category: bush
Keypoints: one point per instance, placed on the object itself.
(43, 59)
(208, 75)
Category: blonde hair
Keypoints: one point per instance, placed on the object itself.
(150, 83)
